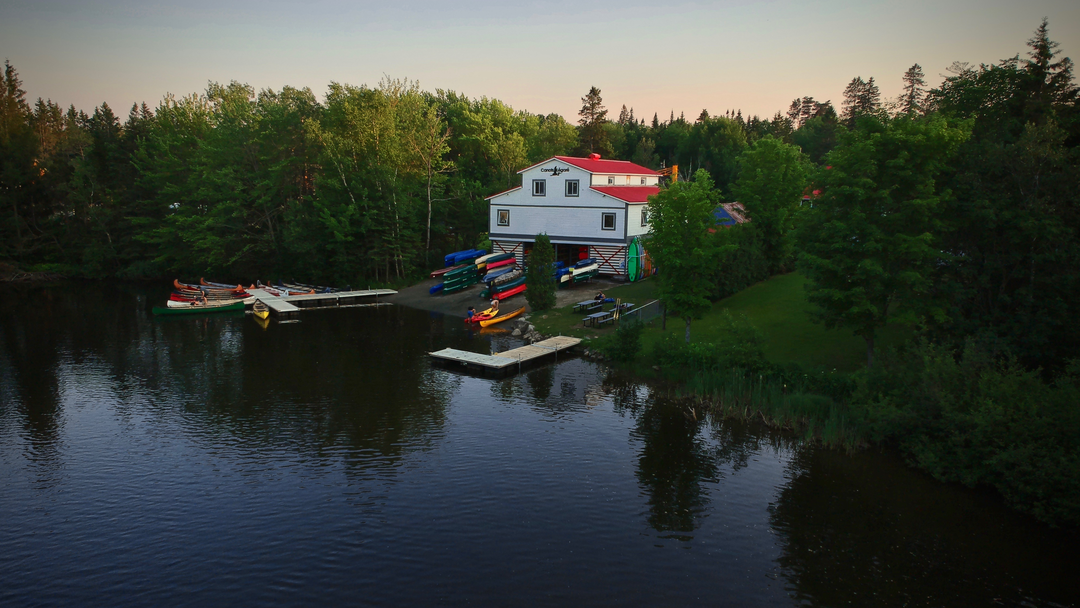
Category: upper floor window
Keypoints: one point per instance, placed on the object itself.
(644, 216)
(571, 187)
(504, 217)
(539, 187)
(611, 180)
(608, 221)
(643, 181)
(627, 180)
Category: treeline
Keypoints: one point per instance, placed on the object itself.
(366, 185)
(955, 211)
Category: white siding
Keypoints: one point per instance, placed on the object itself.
(612, 260)
(562, 224)
(633, 220)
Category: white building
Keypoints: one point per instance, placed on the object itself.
(588, 207)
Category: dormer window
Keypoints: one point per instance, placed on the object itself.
(611, 180)
(627, 180)
(643, 181)
(539, 187)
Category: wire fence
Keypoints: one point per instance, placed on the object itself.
(644, 314)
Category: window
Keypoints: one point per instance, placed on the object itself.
(504, 217)
(539, 187)
(571, 187)
(627, 180)
(611, 180)
(643, 181)
(608, 221)
(644, 216)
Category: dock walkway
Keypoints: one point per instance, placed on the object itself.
(505, 362)
(290, 306)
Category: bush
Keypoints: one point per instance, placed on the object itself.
(981, 421)
(740, 346)
(626, 343)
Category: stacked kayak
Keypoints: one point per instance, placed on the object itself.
(456, 280)
(460, 257)
(195, 308)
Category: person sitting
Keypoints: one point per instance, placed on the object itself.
(600, 297)
(494, 307)
(471, 313)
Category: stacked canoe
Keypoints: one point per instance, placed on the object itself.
(582, 271)
(456, 280)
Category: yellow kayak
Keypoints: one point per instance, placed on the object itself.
(260, 310)
(500, 319)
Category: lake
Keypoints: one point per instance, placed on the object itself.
(210, 461)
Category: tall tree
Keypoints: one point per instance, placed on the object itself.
(593, 118)
(772, 178)
(914, 90)
(869, 244)
(860, 98)
(680, 217)
(540, 290)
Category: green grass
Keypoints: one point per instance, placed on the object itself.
(778, 307)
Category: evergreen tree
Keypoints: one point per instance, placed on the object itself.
(539, 274)
(624, 115)
(655, 121)
(703, 116)
(594, 137)
(1051, 81)
(914, 90)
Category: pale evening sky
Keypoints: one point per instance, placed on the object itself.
(538, 56)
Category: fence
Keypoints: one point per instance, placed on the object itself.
(644, 313)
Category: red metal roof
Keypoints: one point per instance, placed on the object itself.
(603, 165)
(630, 194)
(503, 192)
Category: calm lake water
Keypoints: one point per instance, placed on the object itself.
(211, 462)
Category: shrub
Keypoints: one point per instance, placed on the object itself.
(626, 343)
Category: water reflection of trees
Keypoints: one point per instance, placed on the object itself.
(863, 529)
(684, 454)
(353, 379)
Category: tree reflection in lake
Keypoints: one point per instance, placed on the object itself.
(865, 529)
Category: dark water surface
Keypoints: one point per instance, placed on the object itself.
(211, 462)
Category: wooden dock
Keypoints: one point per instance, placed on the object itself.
(499, 364)
(290, 306)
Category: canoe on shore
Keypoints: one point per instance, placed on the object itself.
(501, 318)
(199, 309)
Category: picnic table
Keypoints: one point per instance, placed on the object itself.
(597, 319)
(587, 305)
(625, 306)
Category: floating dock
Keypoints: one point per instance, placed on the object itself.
(288, 307)
(499, 364)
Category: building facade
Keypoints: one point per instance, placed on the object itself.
(589, 208)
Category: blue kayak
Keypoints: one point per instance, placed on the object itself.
(435, 288)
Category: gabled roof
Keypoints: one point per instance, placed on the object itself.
(501, 193)
(629, 194)
(598, 165)
(603, 165)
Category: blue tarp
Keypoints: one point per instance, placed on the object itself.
(723, 218)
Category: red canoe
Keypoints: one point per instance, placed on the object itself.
(502, 295)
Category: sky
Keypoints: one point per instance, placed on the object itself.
(536, 56)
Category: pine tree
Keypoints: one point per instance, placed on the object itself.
(671, 120)
(630, 119)
(593, 118)
(540, 284)
(703, 116)
(655, 121)
(1052, 81)
(624, 116)
(914, 90)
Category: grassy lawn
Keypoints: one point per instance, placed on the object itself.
(777, 307)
